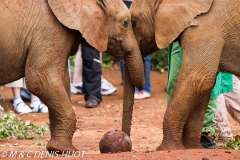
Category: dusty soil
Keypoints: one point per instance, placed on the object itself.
(146, 134)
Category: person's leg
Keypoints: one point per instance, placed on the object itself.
(128, 3)
(78, 67)
(18, 103)
(233, 100)
(209, 116)
(106, 87)
(37, 106)
(174, 64)
(122, 69)
(221, 118)
(147, 85)
(76, 86)
(147, 90)
(92, 73)
(16, 91)
(208, 126)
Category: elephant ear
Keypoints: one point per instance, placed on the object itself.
(87, 16)
(173, 16)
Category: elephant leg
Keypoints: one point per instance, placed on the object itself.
(128, 101)
(184, 102)
(196, 78)
(64, 129)
(50, 82)
(193, 128)
(67, 81)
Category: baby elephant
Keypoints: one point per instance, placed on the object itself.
(209, 33)
(37, 37)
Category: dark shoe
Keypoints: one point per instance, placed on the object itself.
(207, 142)
(91, 103)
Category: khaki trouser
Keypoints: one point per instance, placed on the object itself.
(228, 103)
(18, 83)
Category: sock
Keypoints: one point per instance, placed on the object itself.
(20, 106)
(17, 99)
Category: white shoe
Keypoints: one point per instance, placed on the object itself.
(1, 108)
(141, 95)
(21, 108)
(107, 88)
(76, 88)
(41, 108)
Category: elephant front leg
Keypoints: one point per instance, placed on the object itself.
(62, 130)
(63, 120)
(52, 90)
(196, 78)
(189, 91)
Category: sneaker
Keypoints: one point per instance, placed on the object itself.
(76, 88)
(207, 142)
(1, 109)
(21, 108)
(141, 95)
(107, 88)
(41, 108)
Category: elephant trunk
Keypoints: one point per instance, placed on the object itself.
(135, 66)
(134, 75)
(128, 99)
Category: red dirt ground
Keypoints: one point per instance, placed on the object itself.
(146, 134)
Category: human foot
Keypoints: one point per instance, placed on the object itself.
(141, 95)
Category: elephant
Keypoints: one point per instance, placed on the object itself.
(208, 32)
(37, 37)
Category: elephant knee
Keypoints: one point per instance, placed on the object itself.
(34, 85)
(205, 85)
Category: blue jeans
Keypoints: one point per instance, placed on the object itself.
(128, 3)
(147, 86)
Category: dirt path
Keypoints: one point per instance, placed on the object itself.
(146, 134)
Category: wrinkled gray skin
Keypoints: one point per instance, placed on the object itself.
(209, 33)
(37, 37)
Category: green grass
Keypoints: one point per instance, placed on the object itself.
(13, 127)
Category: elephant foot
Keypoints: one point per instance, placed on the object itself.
(60, 146)
(61, 136)
(171, 145)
